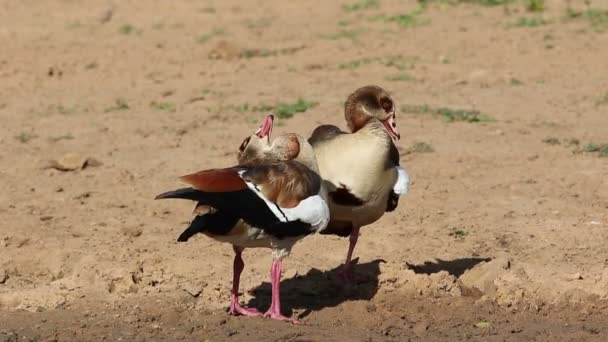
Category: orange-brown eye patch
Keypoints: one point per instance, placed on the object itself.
(387, 104)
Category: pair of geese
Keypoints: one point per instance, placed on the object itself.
(333, 183)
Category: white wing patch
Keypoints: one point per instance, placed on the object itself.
(402, 184)
(312, 210)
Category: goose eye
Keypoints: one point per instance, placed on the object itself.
(244, 144)
(387, 104)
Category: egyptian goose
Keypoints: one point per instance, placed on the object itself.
(272, 199)
(360, 170)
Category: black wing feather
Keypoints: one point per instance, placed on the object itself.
(232, 206)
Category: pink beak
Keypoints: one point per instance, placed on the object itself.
(391, 127)
(266, 127)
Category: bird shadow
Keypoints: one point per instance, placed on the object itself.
(318, 289)
(454, 267)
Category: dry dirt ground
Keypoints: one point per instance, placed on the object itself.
(502, 237)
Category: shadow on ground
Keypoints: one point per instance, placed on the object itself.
(318, 289)
(454, 267)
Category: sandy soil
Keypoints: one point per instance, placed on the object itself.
(502, 237)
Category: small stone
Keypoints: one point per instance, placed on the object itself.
(575, 276)
(194, 289)
(483, 324)
(46, 218)
(132, 231)
(3, 276)
(73, 162)
(420, 328)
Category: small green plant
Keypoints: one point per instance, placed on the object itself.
(343, 34)
(361, 5)
(535, 5)
(282, 110)
(597, 18)
(493, 2)
(287, 110)
(551, 141)
(530, 22)
(250, 53)
(126, 29)
(25, 137)
(420, 147)
(516, 82)
(400, 62)
(119, 104)
(400, 77)
(602, 149)
(205, 37)
(258, 23)
(458, 233)
(67, 136)
(448, 114)
(603, 100)
(166, 106)
(409, 19)
(355, 64)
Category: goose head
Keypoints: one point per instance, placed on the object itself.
(371, 103)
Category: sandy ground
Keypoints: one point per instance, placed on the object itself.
(502, 237)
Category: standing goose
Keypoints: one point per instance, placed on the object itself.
(272, 199)
(360, 170)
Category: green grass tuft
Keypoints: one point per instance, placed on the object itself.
(448, 114)
(551, 141)
(400, 77)
(361, 5)
(166, 106)
(344, 34)
(458, 233)
(355, 64)
(597, 18)
(205, 37)
(530, 22)
(126, 29)
(535, 5)
(25, 137)
(409, 19)
(119, 104)
(602, 149)
(67, 136)
(287, 110)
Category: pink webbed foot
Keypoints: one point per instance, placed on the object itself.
(237, 309)
(273, 314)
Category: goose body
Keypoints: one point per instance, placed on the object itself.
(360, 168)
(272, 199)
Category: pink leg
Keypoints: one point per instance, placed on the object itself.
(346, 272)
(275, 307)
(235, 307)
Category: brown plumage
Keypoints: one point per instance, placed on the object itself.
(272, 199)
(359, 168)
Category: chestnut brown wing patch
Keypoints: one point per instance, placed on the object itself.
(217, 180)
(285, 183)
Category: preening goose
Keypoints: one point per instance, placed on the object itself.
(360, 169)
(272, 199)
